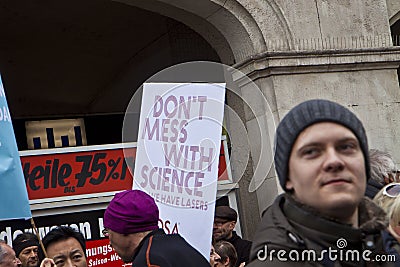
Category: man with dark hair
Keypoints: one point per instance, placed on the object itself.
(26, 246)
(224, 222)
(66, 247)
(7, 256)
(131, 224)
(227, 253)
(322, 219)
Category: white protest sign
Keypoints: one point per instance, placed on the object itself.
(177, 156)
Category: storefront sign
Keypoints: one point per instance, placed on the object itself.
(100, 254)
(75, 171)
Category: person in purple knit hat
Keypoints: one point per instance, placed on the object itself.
(131, 224)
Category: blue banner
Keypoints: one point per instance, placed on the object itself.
(13, 197)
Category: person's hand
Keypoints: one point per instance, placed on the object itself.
(47, 262)
(392, 177)
(242, 264)
(388, 179)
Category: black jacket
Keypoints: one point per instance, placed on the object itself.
(392, 246)
(242, 247)
(289, 227)
(373, 187)
(160, 249)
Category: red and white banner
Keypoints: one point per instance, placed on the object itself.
(64, 172)
(100, 253)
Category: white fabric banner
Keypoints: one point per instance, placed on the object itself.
(177, 156)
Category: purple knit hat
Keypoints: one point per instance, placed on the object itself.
(131, 211)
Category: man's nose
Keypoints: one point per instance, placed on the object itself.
(69, 263)
(333, 160)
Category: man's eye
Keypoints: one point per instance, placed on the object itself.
(77, 257)
(347, 147)
(59, 262)
(309, 152)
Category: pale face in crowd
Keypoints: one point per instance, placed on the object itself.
(327, 170)
(29, 257)
(222, 229)
(9, 258)
(67, 253)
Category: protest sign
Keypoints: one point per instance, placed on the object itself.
(13, 197)
(178, 152)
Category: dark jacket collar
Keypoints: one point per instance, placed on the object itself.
(373, 188)
(310, 223)
(326, 231)
(371, 217)
(147, 237)
(233, 238)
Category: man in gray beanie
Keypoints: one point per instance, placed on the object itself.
(322, 219)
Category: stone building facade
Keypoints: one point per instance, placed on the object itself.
(338, 50)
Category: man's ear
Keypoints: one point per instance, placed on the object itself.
(289, 185)
(232, 225)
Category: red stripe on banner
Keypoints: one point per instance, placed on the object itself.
(76, 173)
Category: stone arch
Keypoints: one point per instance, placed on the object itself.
(393, 8)
(236, 29)
(394, 18)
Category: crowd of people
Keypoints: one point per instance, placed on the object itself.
(340, 207)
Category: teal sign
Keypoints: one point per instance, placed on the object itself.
(13, 197)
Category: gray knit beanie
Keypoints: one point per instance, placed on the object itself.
(306, 114)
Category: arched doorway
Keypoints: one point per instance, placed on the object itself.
(75, 59)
